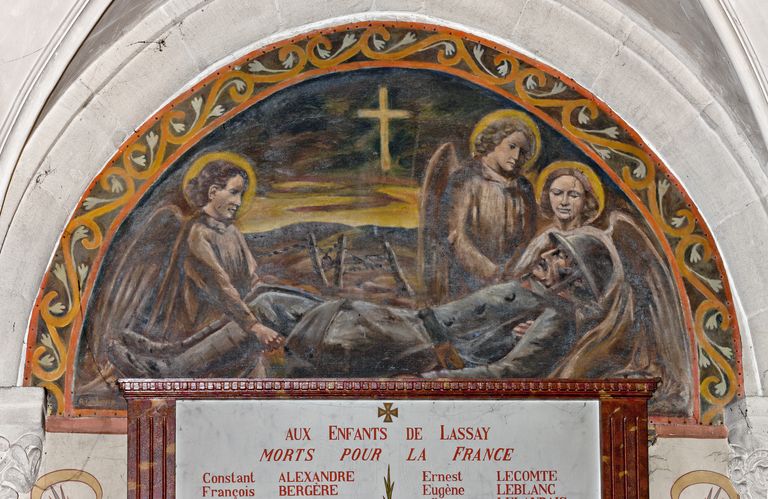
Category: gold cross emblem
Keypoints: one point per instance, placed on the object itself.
(388, 412)
(384, 114)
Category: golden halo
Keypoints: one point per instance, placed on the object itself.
(229, 157)
(594, 182)
(508, 113)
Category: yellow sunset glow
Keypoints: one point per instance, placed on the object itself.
(276, 210)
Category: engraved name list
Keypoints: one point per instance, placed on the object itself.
(434, 449)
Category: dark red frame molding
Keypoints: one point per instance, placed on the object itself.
(152, 417)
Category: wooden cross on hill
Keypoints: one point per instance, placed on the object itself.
(384, 114)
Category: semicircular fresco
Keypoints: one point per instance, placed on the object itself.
(386, 199)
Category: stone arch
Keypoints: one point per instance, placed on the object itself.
(202, 101)
(60, 159)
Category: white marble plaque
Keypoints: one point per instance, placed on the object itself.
(398, 449)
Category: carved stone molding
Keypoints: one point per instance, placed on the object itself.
(21, 439)
(747, 422)
(19, 464)
(352, 387)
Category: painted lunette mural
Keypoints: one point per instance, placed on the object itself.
(568, 144)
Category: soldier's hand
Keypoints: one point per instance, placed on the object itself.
(269, 338)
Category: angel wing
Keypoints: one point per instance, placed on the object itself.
(642, 332)
(432, 257)
(135, 282)
(658, 323)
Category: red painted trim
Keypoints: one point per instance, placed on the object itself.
(690, 431)
(101, 425)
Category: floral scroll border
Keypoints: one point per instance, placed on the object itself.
(58, 316)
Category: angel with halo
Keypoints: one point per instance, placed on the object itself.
(643, 332)
(187, 273)
(474, 217)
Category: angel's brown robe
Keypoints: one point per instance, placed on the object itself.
(202, 284)
(491, 218)
(218, 271)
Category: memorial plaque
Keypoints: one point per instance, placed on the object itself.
(406, 448)
(356, 438)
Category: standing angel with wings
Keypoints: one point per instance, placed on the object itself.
(477, 216)
(477, 225)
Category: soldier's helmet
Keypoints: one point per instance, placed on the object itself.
(592, 258)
